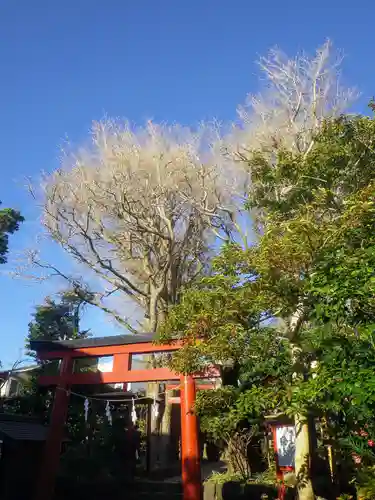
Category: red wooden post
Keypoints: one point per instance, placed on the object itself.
(52, 450)
(183, 436)
(190, 456)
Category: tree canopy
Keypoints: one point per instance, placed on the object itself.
(140, 208)
(10, 221)
(286, 312)
(57, 319)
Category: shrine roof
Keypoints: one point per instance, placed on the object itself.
(22, 428)
(61, 345)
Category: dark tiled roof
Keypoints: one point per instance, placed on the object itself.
(22, 428)
(61, 345)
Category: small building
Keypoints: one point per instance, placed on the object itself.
(13, 381)
(21, 448)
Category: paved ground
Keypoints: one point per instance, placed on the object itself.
(207, 469)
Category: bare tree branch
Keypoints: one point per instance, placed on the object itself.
(300, 93)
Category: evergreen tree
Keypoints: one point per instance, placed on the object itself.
(57, 320)
(9, 223)
(312, 272)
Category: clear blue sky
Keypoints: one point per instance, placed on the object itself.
(66, 63)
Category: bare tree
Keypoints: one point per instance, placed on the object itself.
(141, 208)
(300, 92)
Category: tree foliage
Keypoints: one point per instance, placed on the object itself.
(10, 221)
(312, 272)
(57, 319)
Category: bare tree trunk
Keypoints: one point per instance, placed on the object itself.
(237, 453)
(302, 454)
(160, 429)
(166, 431)
(302, 459)
(152, 392)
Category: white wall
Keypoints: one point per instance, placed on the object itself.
(10, 388)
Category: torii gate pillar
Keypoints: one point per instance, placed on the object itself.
(46, 483)
(190, 450)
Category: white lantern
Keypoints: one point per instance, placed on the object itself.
(86, 407)
(108, 413)
(134, 413)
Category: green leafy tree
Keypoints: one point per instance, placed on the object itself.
(315, 252)
(225, 322)
(10, 220)
(312, 271)
(57, 320)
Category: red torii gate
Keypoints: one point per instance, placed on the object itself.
(121, 347)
